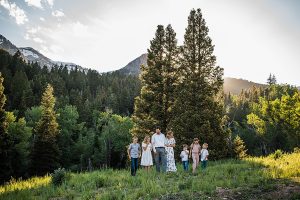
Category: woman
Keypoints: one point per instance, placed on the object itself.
(170, 144)
(147, 160)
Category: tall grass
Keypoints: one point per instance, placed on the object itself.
(118, 184)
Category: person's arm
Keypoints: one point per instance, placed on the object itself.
(144, 146)
(207, 155)
(174, 143)
(128, 152)
(139, 150)
(153, 143)
(191, 151)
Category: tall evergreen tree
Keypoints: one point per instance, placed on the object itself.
(149, 105)
(197, 111)
(5, 140)
(170, 75)
(45, 153)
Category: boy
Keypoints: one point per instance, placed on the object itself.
(184, 155)
(134, 152)
(204, 156)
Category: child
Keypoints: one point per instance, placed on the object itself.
(185, 157)
(204, 155)
(195, 153)
(134, 152)
(147, 160)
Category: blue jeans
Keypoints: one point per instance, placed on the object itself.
(185, 165)
(160, 159)
(203, 164)
(134, 166)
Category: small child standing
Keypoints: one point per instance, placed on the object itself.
(134, 152)
(184, 155)
(195, 153)
(204, 156)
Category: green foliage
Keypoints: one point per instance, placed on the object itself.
(58, 176)
(197, 111)
(266, 119)
(277, 154)
(45, 153)
(239, 148)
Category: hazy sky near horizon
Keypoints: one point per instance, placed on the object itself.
(252, 38)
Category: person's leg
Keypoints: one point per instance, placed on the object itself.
(203, 164)
(197, 161)
(132, 166)
(164, 160)
(194, 162)
(136, 165)
(157, 163)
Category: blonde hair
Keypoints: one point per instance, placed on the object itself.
(170, 134)
(185, 146)
(146, 138)
(205, 145)
(134, 137)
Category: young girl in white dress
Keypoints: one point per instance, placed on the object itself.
(147, 160)
(170, 144)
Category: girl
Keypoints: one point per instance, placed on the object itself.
(195, 153)
(170, 144)
(147, 160)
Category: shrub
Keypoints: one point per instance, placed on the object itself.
(239, 148)
(58, 176)
(277, 154)
(296, 150)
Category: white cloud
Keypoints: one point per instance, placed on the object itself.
(35, 3)
(42, 19)
(15, 11)
(50, 2)
(58, 13)
(38, 40)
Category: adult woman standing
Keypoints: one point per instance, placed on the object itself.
(170, 144)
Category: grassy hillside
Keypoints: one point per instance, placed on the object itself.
(251, 178)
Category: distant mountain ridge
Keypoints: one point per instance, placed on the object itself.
(31, 55)
(232, 85)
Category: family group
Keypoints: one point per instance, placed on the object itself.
(161, 147)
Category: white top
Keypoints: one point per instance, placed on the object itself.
(184, 155)
(158, 140)
(149, 147)
(204, 154)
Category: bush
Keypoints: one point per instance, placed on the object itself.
(296, 150)
(277, 154)
(58, 176)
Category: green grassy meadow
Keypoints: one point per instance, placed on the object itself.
(250, 178)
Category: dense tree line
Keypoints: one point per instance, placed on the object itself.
(267, 118)
(58, 117)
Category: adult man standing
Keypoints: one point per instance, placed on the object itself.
(158, 143)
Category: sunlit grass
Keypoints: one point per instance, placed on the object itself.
(118, 184)
(34, 182)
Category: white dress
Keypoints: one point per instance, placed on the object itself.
(146, 155)
(171, 167)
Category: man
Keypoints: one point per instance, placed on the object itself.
(158, 143)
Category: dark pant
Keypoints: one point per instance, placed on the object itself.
(203, 164)
(185, 165)
(160, 159)
(134, 166)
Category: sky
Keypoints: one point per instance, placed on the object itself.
(252, 38)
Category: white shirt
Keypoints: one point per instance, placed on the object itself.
(158, 140)
(184, 155)
(204, 154)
